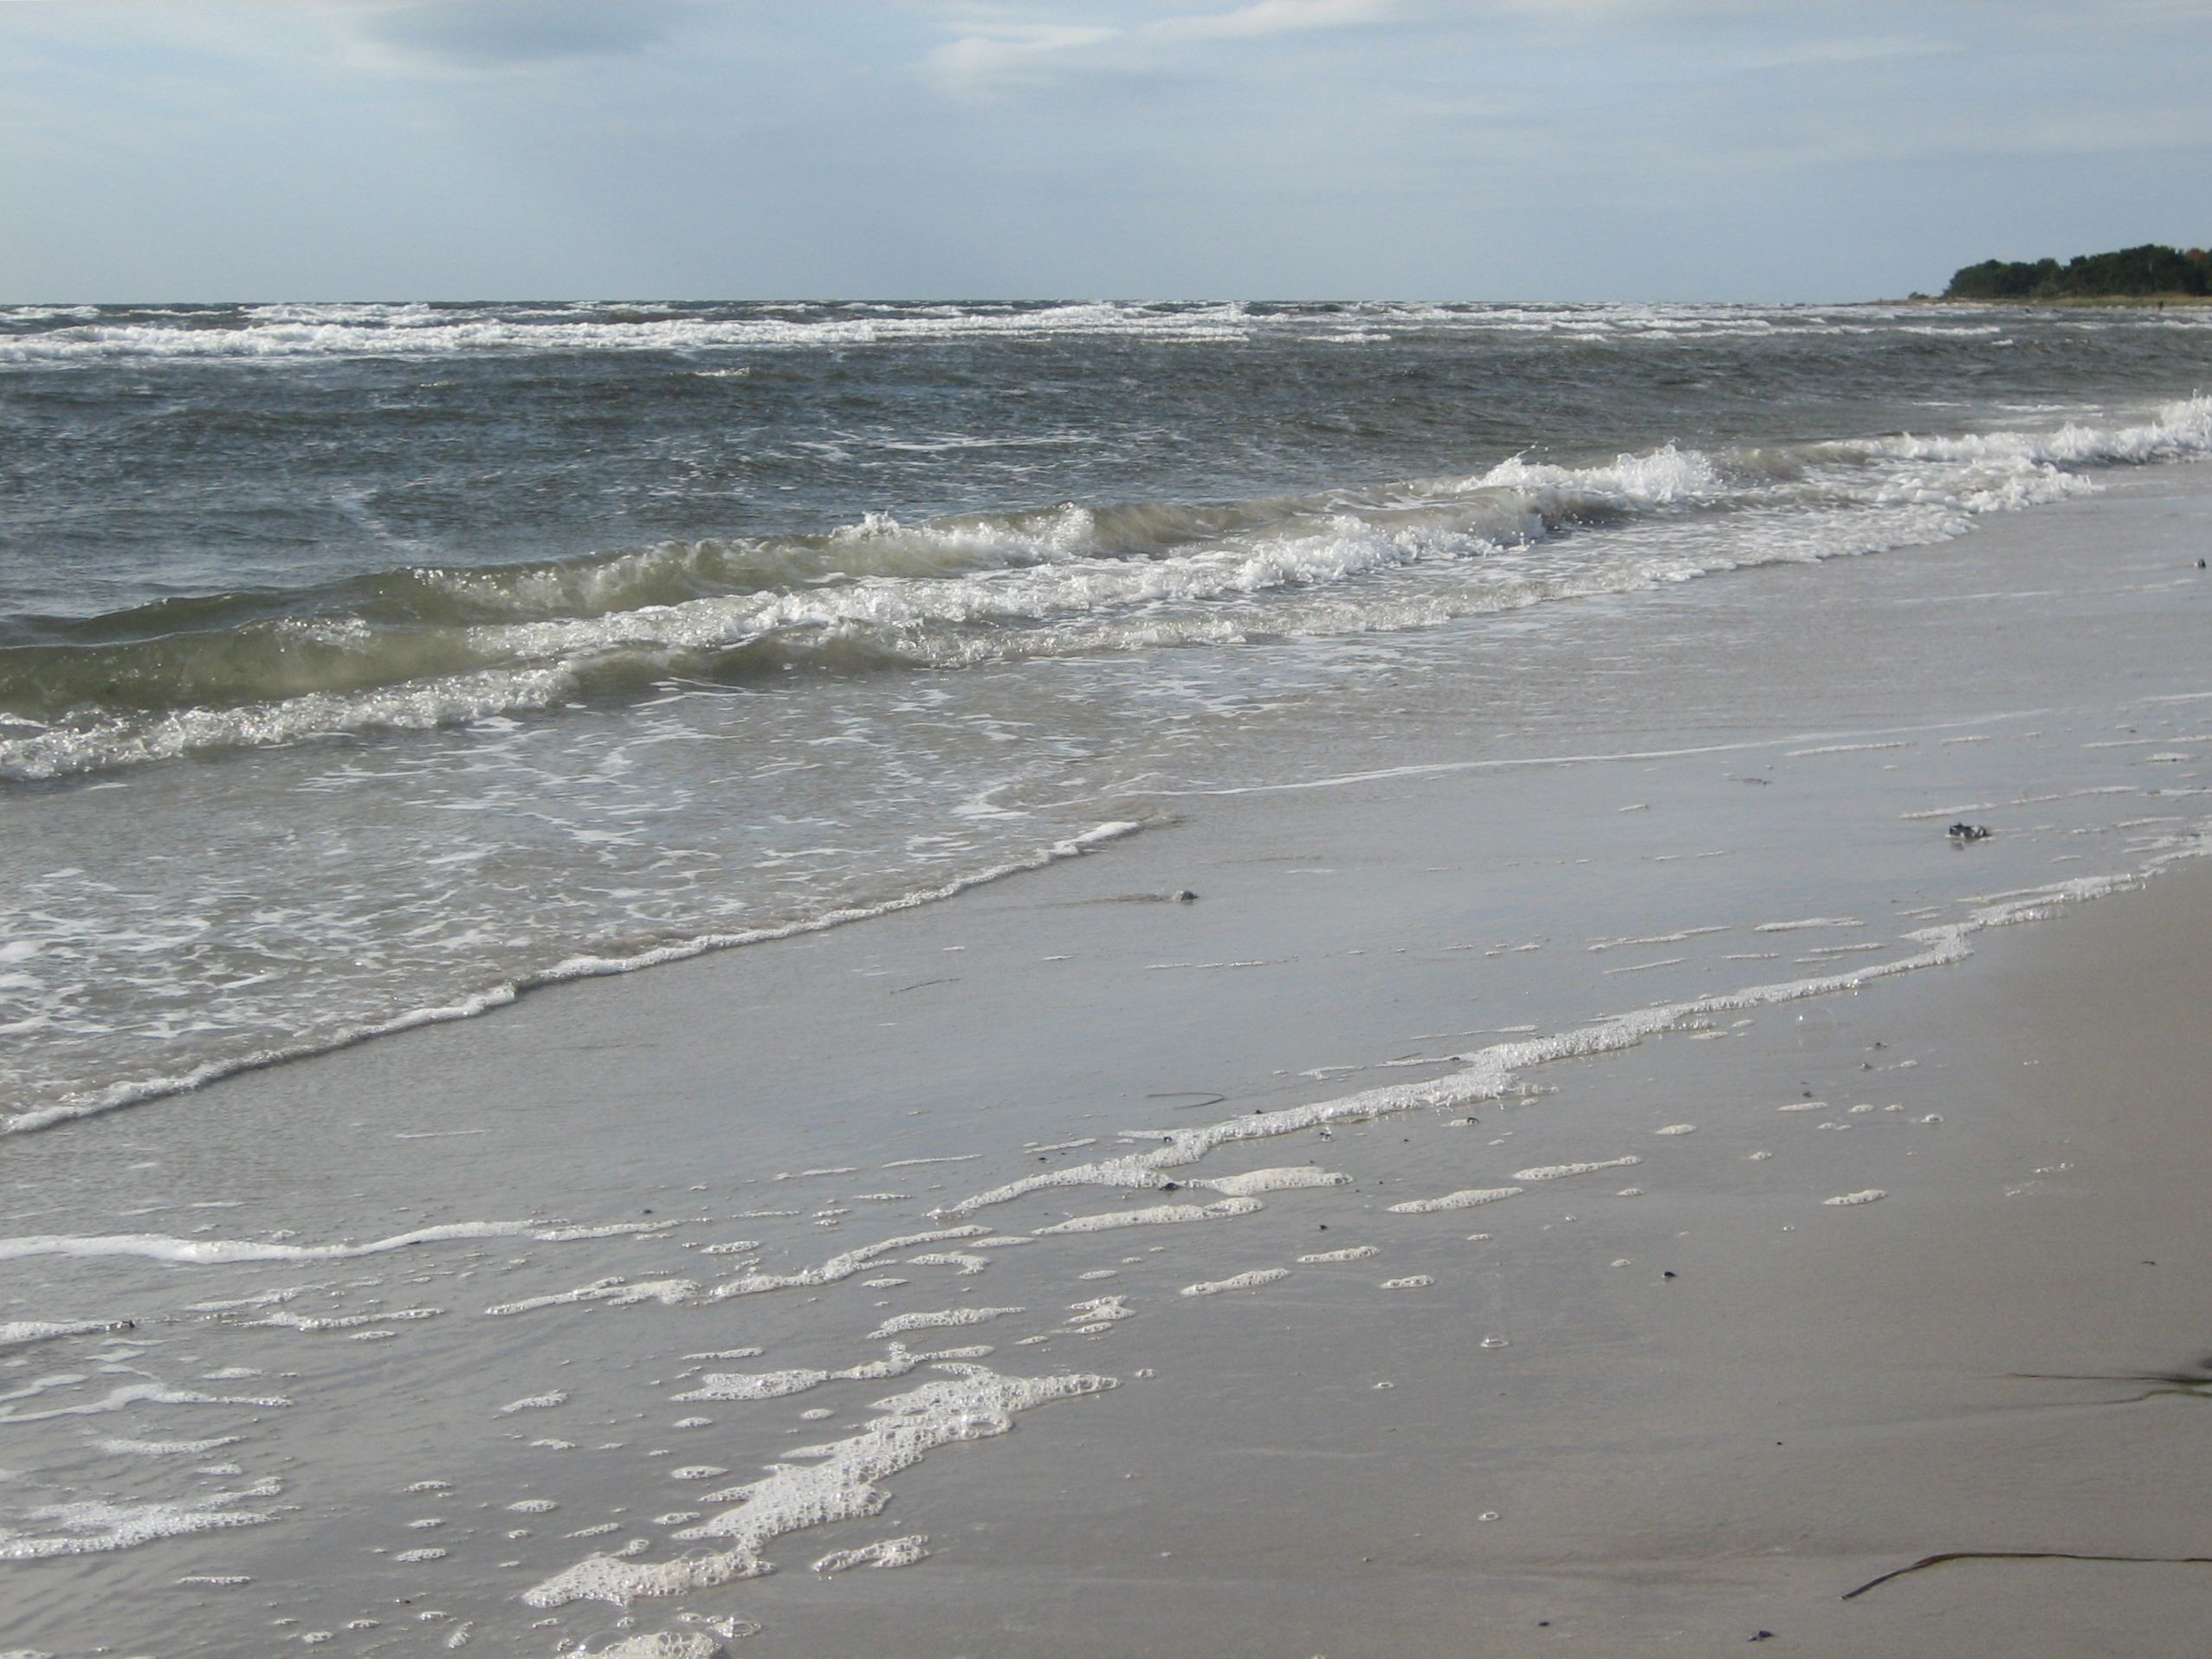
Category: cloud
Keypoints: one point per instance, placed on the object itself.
(500, 34)
(1018, 55)
(1811, 54)
(1265, 17)
(1004, 55)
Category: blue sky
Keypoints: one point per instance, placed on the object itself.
(1491, 148)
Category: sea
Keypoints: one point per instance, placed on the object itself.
(363, 666)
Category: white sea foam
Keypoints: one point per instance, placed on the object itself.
(1560, 1171)
(900, 1323)
(659, 1644)
(891, 1552)
(843, 1266)
(128, 1447)
(1100, 1311)
(95, 1526)
(201, 1252)
(897, 1361)
(310, 1325)
(1251, 1280)
(966, 1264)
(1157, 1216)
(1289, 1178)
(669, 1292)
(1662, 477)
(130, 1394)
(1464, 1200)
(973, 1404)
(535, 1403)
(1657, 939)
(18, 1334)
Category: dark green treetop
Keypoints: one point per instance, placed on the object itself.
(2150, 269)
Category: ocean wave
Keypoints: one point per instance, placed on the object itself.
(2179, 431)
(417, 649)
(294, 331)
(57, 335)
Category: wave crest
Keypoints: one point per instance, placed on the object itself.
(421, 648)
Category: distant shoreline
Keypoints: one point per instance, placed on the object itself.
(2068, 302)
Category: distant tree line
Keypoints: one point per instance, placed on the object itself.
(2150, 269)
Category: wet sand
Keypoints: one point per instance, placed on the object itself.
(1723, 1408)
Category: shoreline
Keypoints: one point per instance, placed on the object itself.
(1373, 1374)
(2062, 303)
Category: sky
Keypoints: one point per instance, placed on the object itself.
(1569, 150)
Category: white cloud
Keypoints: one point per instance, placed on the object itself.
(1018, 55)
(999, 55)
(1882, 49)
(1265, 17)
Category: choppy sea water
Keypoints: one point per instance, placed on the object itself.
(361, 665)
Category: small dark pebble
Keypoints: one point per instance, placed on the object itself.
(1765, 1636)
(1184, 895)
(1171, 1186)
(1324, 1227)
(2200, 564)
(1669, 1273)
(1963, 831)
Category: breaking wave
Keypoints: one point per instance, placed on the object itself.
(75, 334)
(419, 648)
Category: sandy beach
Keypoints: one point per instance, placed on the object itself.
(1450, 1239)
